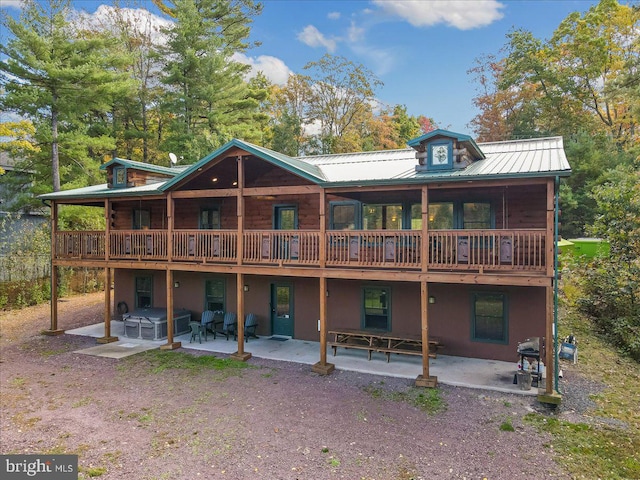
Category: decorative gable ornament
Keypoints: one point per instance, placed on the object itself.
(442, 150)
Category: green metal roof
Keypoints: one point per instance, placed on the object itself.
(533, 158)
(148, 167)
(103, 191)
(294, 165)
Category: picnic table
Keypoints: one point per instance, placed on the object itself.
(384, 342)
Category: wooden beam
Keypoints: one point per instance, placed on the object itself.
(323, 230)
(424, 246)
(206, 193)
(550, 240)
(53, 326)
(107, 230)
(240, 209)
(108, 338)
(322, 367)
(170, 345)
(170, 224)
(240, 355)
(425, 380)
(283, 190)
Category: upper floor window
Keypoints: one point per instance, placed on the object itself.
(210, 218)
(381, 217)
(476, 215)
(344, 215)
(141, 219)
(119, 176)
(457, 215)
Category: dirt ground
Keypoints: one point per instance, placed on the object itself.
(133, 419)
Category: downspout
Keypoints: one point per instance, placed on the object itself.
(555, 286)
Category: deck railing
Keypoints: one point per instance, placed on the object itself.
(300, 247)
(454, 250)
(72, 244)
(205, 245)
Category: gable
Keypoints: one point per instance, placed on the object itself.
(442, 150)
(123, 173)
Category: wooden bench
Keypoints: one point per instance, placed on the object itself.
(380, 342)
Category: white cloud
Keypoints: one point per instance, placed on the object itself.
(333, 15)
(140, 20)
(460, 14)
(312, 37)
(273, 68)
(11, 4)
(355, 33)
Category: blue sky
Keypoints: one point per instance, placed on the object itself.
(421, 50)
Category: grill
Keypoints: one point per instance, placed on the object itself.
(151, 323)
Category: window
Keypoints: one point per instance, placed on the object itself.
(376, 308)
(144, 292)
(214, 294)
(343, 215)
(441, 216)
(476, 215)
(489, 320)
(210, 218)
(382, 217)
(119, 177)
(141, 219)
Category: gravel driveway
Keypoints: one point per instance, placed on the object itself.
(129, 419)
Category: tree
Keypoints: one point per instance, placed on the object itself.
(341, 90)
(207, 96)
(58, 76)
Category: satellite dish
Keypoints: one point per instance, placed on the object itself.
(173, 158)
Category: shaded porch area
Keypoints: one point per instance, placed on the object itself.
(451, 370)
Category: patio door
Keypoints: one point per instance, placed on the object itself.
(282, 309)
(285, 217)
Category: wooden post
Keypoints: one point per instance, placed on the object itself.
(170, 345)
(240, 354)
(425, 380)
(53, 327)
(550, 235)
(323, 232)
(107, 229)
(322, 367)
(107, 309)
(170, 207)
(240, 209)
(424, 244)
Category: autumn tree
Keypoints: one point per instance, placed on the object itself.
(341, 90)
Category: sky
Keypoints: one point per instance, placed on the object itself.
(421, 50)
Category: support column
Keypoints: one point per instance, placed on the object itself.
(322, 367)
(107, 309)
(170, 345)
(240, 354)
(424, 244)
(323, 231)
(240, 209)
(53, 327)
(425, 380)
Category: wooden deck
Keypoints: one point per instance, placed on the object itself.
(502, 251)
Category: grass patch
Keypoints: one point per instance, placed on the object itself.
(507, 426)
(161, 360)
(92, 471)
(599, 450)
(428, 400)
(594, 452)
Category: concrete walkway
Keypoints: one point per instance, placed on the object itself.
(458, 371)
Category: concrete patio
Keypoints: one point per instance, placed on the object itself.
(457, 371)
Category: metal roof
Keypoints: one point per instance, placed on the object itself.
(103, 191)
(148, 167)
(540, 157)
(518, 158)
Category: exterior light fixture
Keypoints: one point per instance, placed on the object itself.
(245, 288)
(432, 299)
(176, 284)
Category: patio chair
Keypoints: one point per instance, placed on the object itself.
(229, 325)
(196, 331)
(207, 323)
(250, 325)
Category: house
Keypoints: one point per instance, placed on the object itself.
(447, 239)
